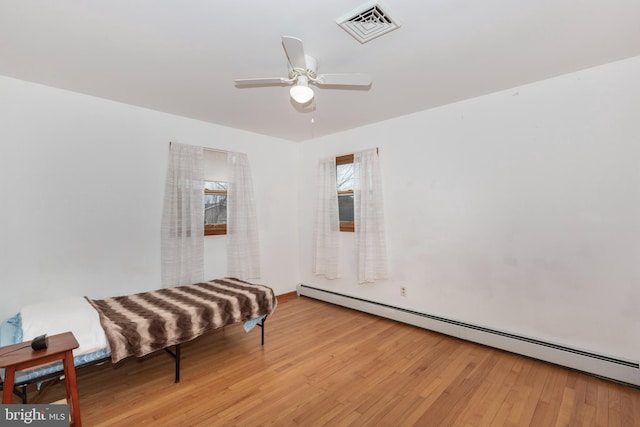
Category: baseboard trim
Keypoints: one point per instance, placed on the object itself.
(286, 296)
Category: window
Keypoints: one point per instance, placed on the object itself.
(215, 192)
(215, 208)
(345, 185)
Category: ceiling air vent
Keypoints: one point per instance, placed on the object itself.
(367, 22)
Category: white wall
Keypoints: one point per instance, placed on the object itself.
(81, 188)
(516, 211)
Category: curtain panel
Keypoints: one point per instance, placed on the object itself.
(327, 229)
(369, 217)
(182, 229)
(243, 249)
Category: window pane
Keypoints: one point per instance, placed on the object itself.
(345, 206)
(215, 185)
(215, 204)
(344, 177)
(215, 209)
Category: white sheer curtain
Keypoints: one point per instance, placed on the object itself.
(243, 251)
(369, 217)
(327, 231)
(182, 232)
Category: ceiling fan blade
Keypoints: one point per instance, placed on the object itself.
(295, 52)
(344, 79)
(262, 81)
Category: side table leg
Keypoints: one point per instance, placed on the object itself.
(72, 390)
(9, 378)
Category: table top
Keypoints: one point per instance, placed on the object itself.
(22, 352)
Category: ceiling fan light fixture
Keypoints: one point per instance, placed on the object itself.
(301, 92)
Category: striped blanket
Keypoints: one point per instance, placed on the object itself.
(146, 322)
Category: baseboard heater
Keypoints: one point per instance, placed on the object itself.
(625, 371)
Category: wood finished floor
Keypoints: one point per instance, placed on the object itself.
(327, 365)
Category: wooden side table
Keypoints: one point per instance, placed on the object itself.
(17, 357)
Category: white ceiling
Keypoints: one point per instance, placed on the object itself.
(181, 57)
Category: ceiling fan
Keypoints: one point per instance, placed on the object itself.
(303, 70)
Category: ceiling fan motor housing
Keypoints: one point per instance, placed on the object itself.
(311, 70)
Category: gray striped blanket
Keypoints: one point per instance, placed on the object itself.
(146, 322)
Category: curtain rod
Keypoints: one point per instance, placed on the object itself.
(208, 149)
(358, 151)
(216, 150)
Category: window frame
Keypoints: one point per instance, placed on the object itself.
(345, 226)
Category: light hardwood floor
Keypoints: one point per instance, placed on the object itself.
(326, 365)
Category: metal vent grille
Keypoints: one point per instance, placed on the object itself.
(368, 22)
